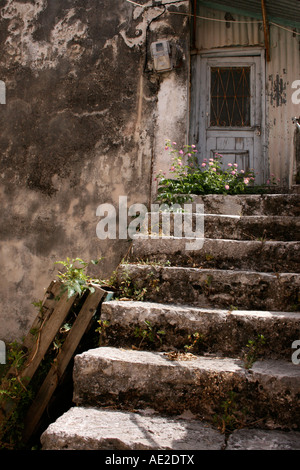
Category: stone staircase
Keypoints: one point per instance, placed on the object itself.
(201, 358)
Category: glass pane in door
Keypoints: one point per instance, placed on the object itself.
(230, 97)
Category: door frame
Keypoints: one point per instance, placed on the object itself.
(199, 90)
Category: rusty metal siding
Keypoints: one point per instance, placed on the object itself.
(215, 32)
(282, 70)
(286, 12)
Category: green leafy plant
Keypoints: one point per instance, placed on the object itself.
(190, 178)
(149, 333)
(74, 279)
(126, 287)
(103, 325)
(194, 340)
(14, 390)
(229, 418)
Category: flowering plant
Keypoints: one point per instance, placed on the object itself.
(208, 178)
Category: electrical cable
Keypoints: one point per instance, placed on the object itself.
(146, 38)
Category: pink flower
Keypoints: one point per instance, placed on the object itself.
(193, 146)
(214, 169)
(233, 172)
(210, 163)
(211, 159)
(235, 164)
(180, 163)
(242, 171)
(189, 154)
(166, 148)
(229, 164)
(246, 180)
(205, 159)
(226, 186)
(172, 168)
(203, 164)
(181, 152)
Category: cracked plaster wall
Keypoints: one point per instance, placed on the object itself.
(84, 122)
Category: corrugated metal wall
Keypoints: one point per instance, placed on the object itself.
(282, 70)
(242, 32)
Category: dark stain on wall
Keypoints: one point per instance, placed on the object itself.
(277, 91)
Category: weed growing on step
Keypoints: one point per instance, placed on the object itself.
(194, 341)
(229, 419)
(103, 325)
(254, 350)
(149, 334)
(127, 288)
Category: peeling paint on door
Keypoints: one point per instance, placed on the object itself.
(277, 91)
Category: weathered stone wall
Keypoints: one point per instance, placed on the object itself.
(83, 121)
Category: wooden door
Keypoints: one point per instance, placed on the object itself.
(229, 110)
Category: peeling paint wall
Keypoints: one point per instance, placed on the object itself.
(85, 120)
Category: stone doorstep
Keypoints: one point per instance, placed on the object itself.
(285, 228)
(214, 287)
(251, 204)
(97, 429)
(223, 331)
(265, 256)
(139, 379)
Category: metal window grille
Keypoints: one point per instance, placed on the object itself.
(230, 97)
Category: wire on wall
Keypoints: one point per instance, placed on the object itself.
(293, 31)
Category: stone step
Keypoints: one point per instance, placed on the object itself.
(267, 393)
(211, 287)
(199, 330)
(267, 204)
(258, 439)
(98, 429)
(233, 227)
(263, 256)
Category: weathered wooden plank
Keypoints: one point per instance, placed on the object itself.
(49, 303)
(55, 313)
(65, 355)
(47, 335)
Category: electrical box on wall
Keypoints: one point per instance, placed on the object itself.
(161, 55)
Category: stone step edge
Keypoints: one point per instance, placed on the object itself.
(185, 308)
(83, 428)
(282, 369)
(186, 328)
(143, 236)
(126, 378)
(258, 255)
(102, 429)
(157, 267)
